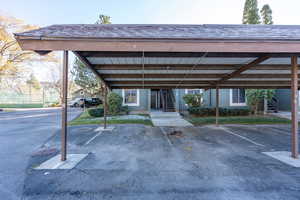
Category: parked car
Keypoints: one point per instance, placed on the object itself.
(95, 101)
(89, 102)
(76, 102)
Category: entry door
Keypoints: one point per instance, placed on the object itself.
(155, 99)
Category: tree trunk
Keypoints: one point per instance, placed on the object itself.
(256, 109)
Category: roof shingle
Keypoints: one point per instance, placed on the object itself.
(160, 31)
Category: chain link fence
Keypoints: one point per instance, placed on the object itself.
(40, 99)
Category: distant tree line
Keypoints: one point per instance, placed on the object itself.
(251, 13)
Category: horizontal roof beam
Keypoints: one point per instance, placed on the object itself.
(223, 71)
(288, 83)
(159, 76)
(156, 45)
(188, 67)
(195, 76)
(178, 54)
(199, 87)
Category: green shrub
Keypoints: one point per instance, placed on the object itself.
(193, 100)
(125, 110)
(206, 111)
(96, 112)
(114, 103)
(255, 96)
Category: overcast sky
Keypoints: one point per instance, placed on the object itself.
(48, 12)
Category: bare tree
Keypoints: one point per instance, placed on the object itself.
(55, 76)
(12, 58)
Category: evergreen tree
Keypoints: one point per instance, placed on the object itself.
(266, 14)
(251, 14)
(83, 76)
(103, 19)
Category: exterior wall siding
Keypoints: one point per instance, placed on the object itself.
(209, 99)
(143, 99)
(284, 97)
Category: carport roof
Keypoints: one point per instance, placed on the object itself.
(168, 31)
(176, 56)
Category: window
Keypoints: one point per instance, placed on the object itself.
(131, 97)
(193, 91)
(237, 97)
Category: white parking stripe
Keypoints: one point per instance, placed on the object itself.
(242, 137)
(28, 116)
(90, 140)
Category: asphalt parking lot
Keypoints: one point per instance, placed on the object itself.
(140, 162)
(21, 133)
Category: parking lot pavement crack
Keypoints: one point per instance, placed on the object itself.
(164, 132)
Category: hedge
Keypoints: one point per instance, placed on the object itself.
(205, 112)
(96, 112)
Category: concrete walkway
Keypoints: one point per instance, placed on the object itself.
(285, 114)
(171, 119)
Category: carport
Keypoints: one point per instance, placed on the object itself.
(177, 56)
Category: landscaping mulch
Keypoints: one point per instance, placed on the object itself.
(176, 133)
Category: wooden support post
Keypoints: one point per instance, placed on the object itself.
(265, 106)
(217, 105)
(105, 107)
(294, 88)
(64, 106)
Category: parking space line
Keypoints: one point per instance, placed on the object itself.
(90, 140)
(29, 116)
(274, 129)
(242, 137)
(280, 131)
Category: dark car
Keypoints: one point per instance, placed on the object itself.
(90, 102)
(95, 101)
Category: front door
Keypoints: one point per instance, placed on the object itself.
(155, 99)
(162, 100)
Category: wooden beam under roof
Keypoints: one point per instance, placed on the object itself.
(188, 67)
(162, 67)
(246, 83)
(241, 69)
(178, 54)
(159, 76)
(195, 76)
(198, 87)
(223, 71)
(163, 45)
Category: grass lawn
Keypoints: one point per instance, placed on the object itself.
(21, 105)
(85, 118)
(238, 120)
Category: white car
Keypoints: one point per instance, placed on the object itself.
(76, 102)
